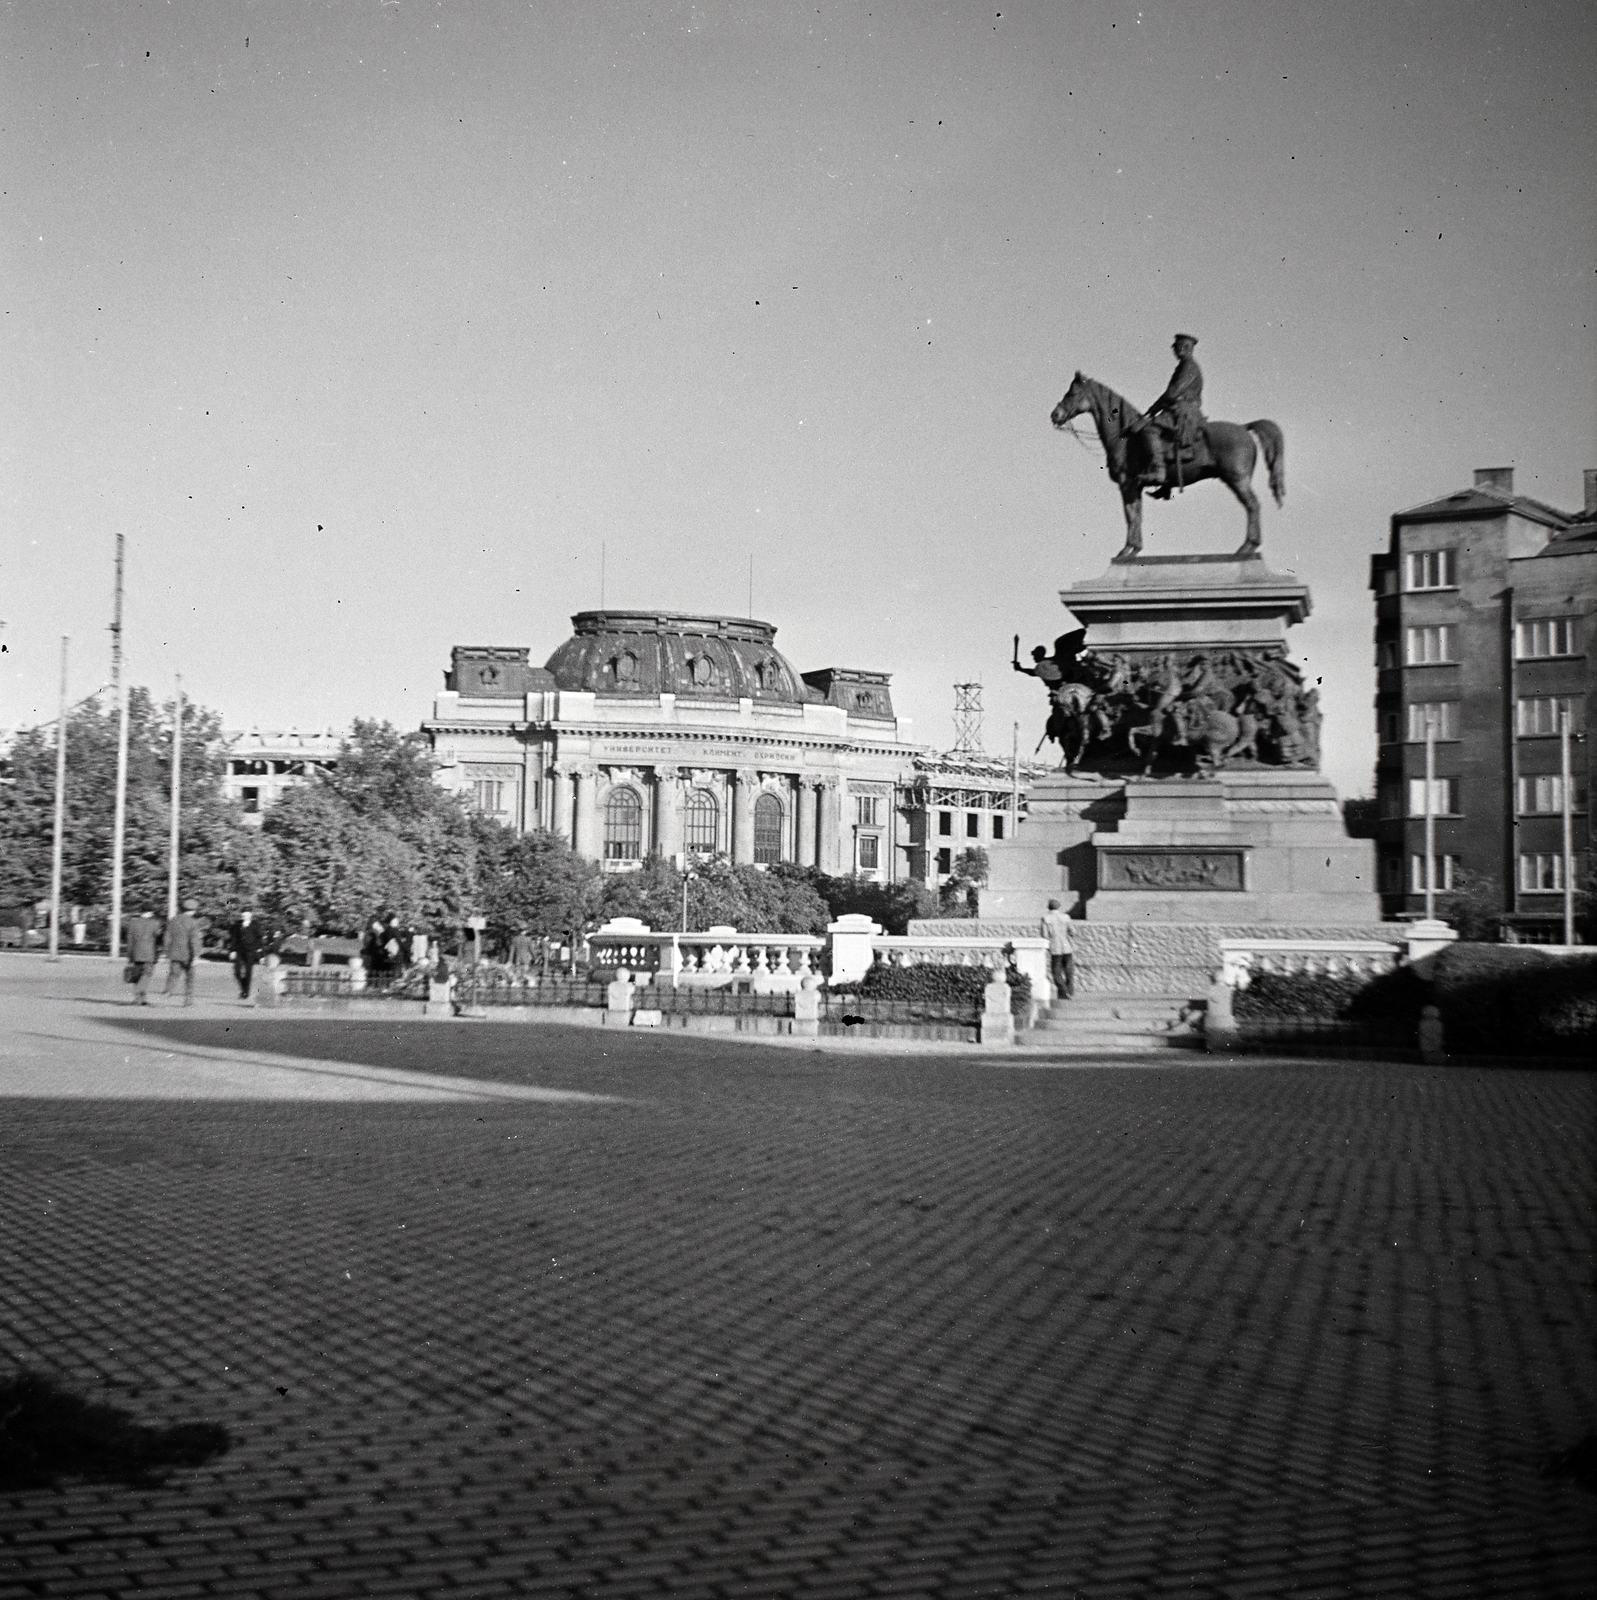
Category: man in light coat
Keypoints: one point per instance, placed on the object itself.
(1061, 951)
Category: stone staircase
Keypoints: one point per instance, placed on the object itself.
(1113, 1022)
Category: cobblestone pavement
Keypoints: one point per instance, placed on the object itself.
(534, 1311)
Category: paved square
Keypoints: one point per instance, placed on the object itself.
(515, 1310)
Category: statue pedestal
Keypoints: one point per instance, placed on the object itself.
(1183, 603)
(1256, 843)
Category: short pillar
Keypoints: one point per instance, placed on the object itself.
(807, 1007)
(853, 946)
(997, 1020)
(357, 974)
(1432, 1041)
(1427, 939)
(440, 999)
(269, 982)
(618, 1000)
(1219, 1023)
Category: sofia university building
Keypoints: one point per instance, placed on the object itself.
(654, 733)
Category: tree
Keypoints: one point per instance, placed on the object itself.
(535, 881)
(221, 862)
(894, 905)
(779, 899)
(957, 894)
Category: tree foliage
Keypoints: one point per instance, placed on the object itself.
(221, 861)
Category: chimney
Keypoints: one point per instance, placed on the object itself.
(1591, 491)
(1499, 478)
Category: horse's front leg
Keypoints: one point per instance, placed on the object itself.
(1131, 499)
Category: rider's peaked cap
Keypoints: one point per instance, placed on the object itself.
(1185, 338)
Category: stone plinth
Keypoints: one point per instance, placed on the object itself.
(1257, 842)
(1188, 602)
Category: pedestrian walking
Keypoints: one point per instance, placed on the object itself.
(1061, 951)
(245, 944)
(183, 949)
(521, 951)
(144, 947)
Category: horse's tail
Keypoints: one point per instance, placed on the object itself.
(1273, 443)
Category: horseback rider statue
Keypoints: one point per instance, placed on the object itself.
(1177, 417)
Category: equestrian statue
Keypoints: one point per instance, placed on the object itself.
(1173, 444)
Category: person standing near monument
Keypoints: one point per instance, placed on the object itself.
(521, 952)
(1061, 951)
(1177, 415)
(183, 949)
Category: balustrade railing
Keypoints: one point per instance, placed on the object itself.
(719, 958)
(1363, 958)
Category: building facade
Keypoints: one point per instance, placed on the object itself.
(664, 734)
(960, 801)
(1484, 622)
(262, 766)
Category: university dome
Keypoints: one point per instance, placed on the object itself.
(681, 653)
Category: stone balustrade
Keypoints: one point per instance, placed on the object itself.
(718, 958)
(1241, 958)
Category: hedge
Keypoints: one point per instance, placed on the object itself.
(1493, 999)
(927, 980)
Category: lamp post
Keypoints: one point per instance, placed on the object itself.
(1564, 786)
(60, 811)
(177, 783)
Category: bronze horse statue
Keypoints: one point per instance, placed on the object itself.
(1230, 455)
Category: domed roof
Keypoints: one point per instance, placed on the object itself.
(680, 653)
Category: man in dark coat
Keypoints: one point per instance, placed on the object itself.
(144, 945)
(183, 949)
(245, 944)
(1176, 416)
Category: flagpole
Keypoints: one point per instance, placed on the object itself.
(60, 811)
(120, 812)
(177, 782)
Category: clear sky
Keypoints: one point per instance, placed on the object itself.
(370, 323)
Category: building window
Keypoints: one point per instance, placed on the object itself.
(767, 830)
(487, 796)
(251, 799)
(1539, 715)
(1388, 581)
(1390, 797)
(624, 668)
(1444, 797)
(1428, 569)
(973, 825)
(623, 826)
(945, 823)
(1541, 874)
(1544, 794)
(998, 827)
(1429, 644)
(1548, 636)
(867, 811)
(701, 820)
(1446, 873)
(870, 848)
(1392, 874)
(945, 861)
(1386, 654)
(1444, 713)
(1389, 722)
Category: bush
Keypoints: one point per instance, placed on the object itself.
(1298, 996)
(1510, 1000)
(945, 985)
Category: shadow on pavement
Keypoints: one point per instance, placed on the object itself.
(48, 1433)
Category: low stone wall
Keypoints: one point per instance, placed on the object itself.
(1171, 958)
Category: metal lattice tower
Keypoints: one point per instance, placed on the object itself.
(967, 719)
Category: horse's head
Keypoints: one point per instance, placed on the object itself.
(1077, 399)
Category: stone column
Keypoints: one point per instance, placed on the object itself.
(560, 784)
(667, 812)
(804, 832)
(828, 802)
(742, 790)
(587, 823)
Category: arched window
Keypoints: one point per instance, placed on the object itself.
(623, 826)
(701, 823)
(767, 830)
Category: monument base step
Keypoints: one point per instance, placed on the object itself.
(1116, 1022)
